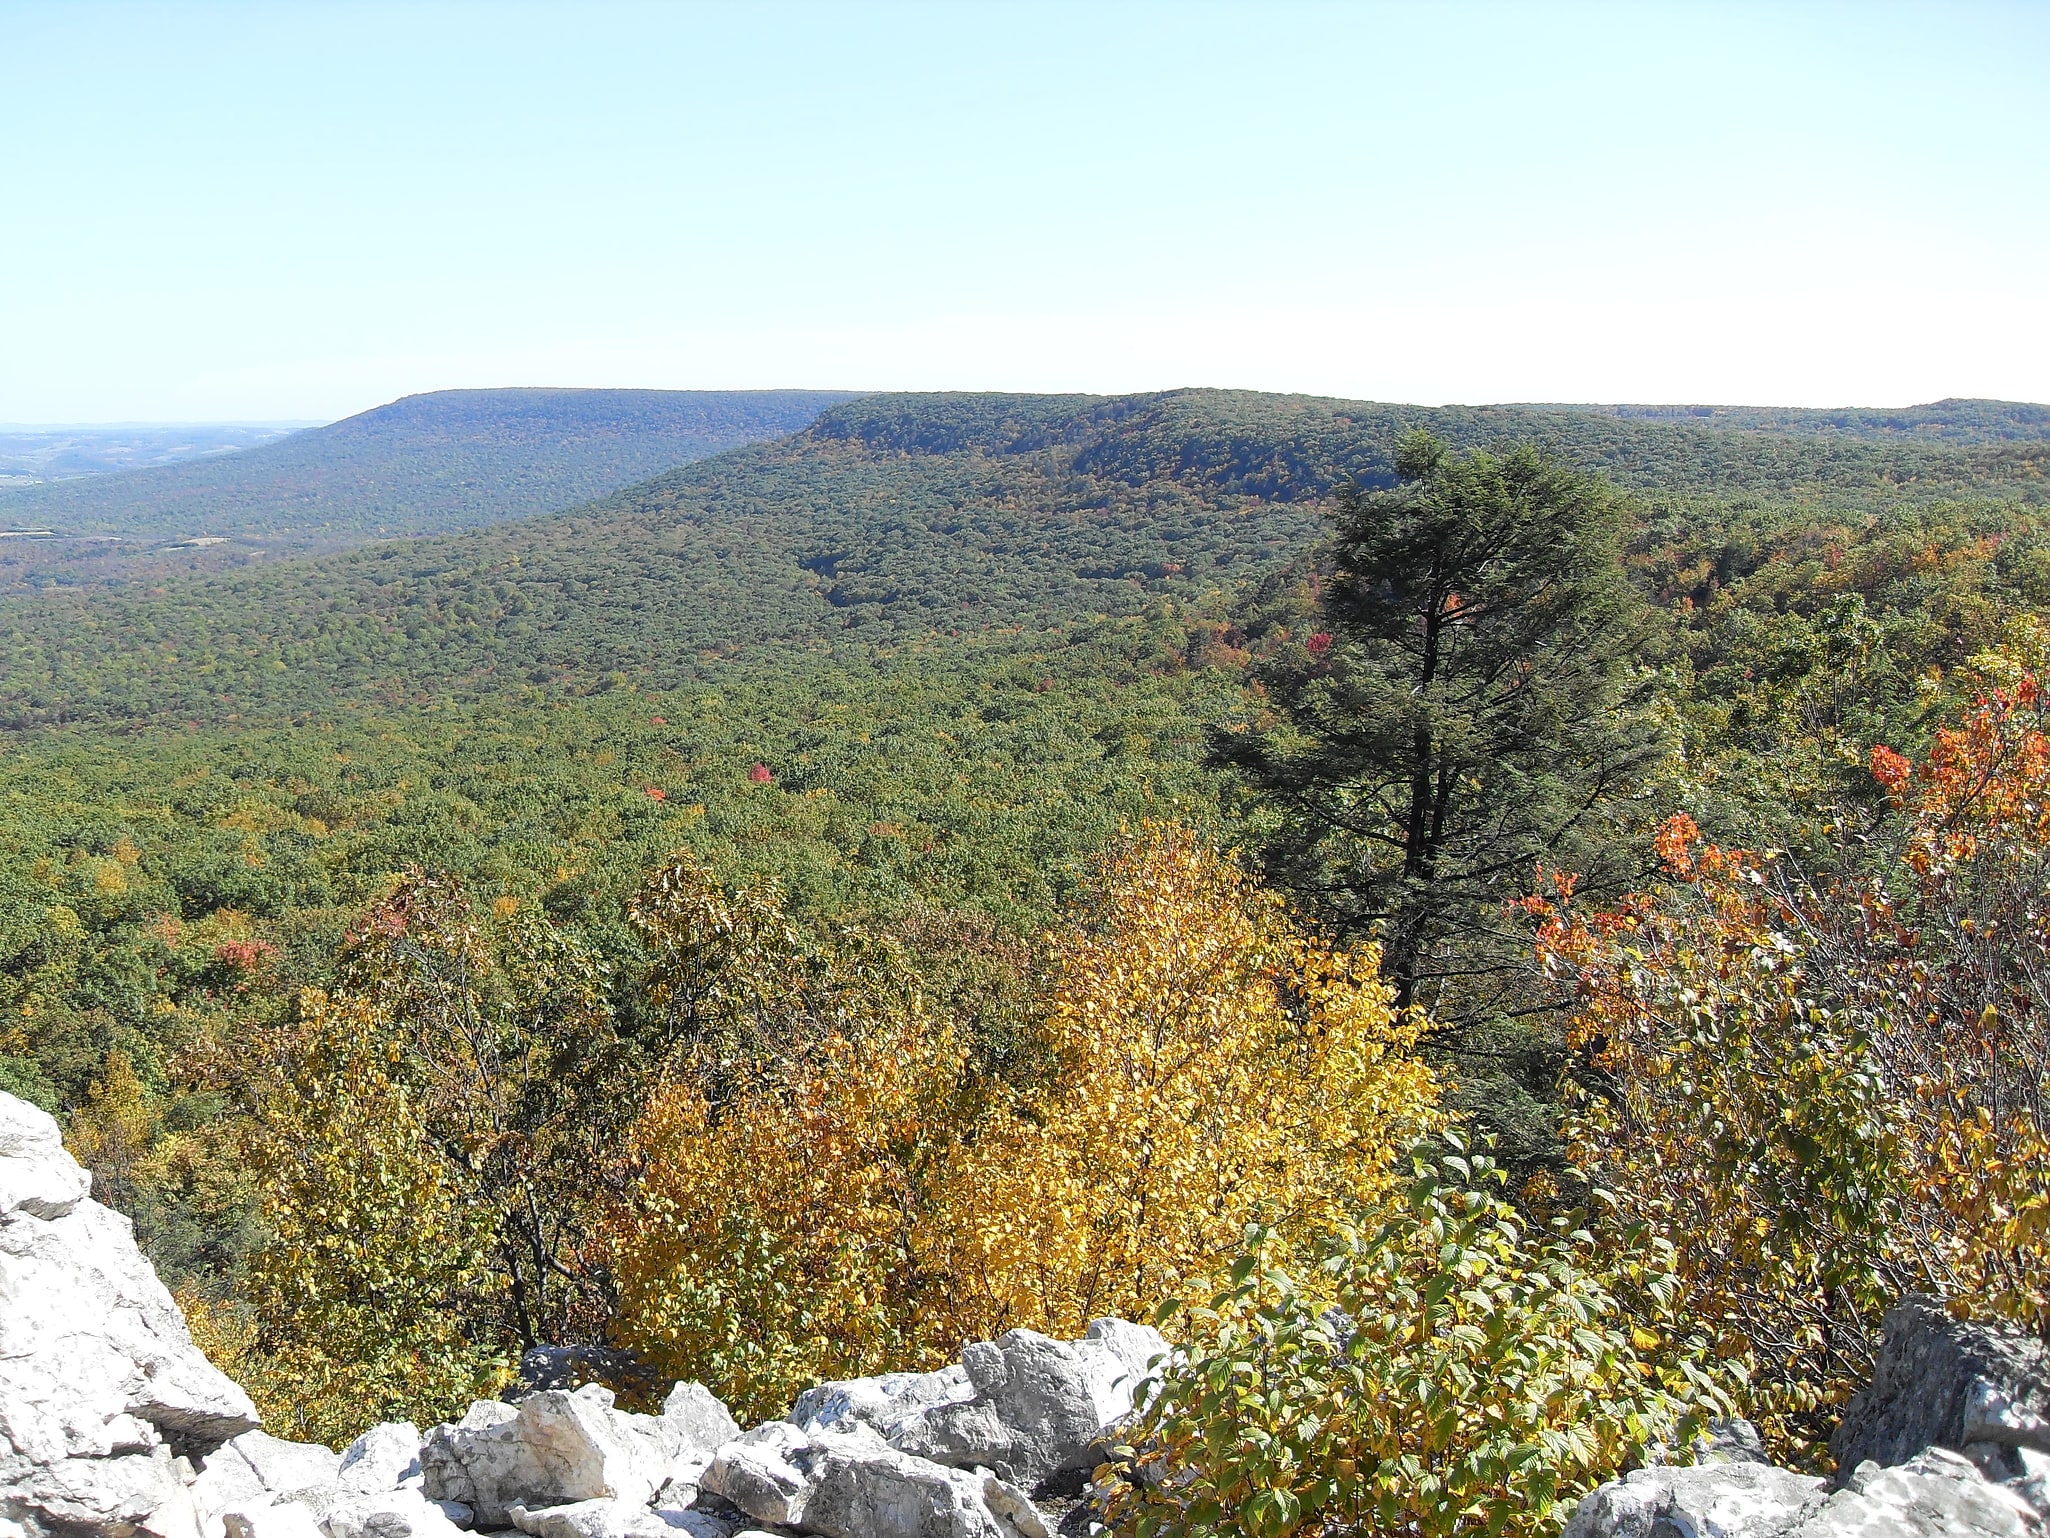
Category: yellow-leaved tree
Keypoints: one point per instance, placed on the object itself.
(1219, 1066)
(832, 1185)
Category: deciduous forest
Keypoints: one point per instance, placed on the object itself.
(1560, 886)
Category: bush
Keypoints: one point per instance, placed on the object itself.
(1445, 1371)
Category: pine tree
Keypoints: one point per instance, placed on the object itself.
(1469, 708)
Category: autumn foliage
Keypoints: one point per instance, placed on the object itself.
(832, 1190)
(1828, 1092)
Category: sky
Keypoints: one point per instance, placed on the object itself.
(298, 210)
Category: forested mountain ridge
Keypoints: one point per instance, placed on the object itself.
(896, 516)
(426, 464)
(1951, 420)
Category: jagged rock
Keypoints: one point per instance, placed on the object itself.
(402, 1512)
(382, 1458)
(257, 1469)
(1730, 1441)
(560, 1449)
(881, 1403)
(850, 1483)
(1937, 1492)
(1728, 1500)
(697, 1421)
(1025, 1405)
(287, 1519)
(1938, 1382)
(103, 1396)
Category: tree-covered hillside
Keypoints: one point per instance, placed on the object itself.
(426, 464)
(1953, 420)
(899, 516)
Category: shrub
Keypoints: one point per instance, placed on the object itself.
(1829, 1092)
(1447, 1370)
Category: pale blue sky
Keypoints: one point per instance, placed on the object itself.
(299, 210)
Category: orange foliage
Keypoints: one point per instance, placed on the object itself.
(1829, 1092)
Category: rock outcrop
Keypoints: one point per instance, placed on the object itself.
(104, 1400)
(1938, 1382)
(1946, 1442)
(1025, 1406)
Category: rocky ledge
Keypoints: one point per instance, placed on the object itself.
(113, 1425)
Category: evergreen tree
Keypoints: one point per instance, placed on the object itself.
(1468, 709)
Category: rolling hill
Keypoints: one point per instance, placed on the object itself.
(422, 465)
(896, 517)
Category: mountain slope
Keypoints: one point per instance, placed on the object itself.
(426, 464)
(1950, 421)
(892, 518)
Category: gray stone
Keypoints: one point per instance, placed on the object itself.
(1720, 1500)
(1937, 1382)
(1730, 1441)
(850, 1483)
(257, 1469)
(103, 1397)
(401, 1512)
(697, 1423)
(1039, 1405)
(551, 1449)
(1938, 1492)
(382, 1458)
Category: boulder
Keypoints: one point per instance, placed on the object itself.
(402, 1512)
(557, 1448)
(1728, 1500)
(695, 1423)
(1937, 1492)
(257, 1469)
(1027, 1406)
(382, 1458)
(104, 1400)
(883, 1403)
(850, 1483)
(1939, 1382)
(287, 1519)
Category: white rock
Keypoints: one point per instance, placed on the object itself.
(290, 1520)
(382, 1458)
(1991, 1416)
(1719, 1500)
(695, 1422)
(256, 1468)
(398, 1513)
(551, 1449)
(102, 1393)
(1038, 1405)
(755, 1473)
(850, 1483)
(37, 1176)
(884, 1403)
(1937, 1493)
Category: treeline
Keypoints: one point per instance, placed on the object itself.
(903, 517)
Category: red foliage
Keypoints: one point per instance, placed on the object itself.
(760, 774)
(657, 793)
(658, 720)
(244, 955)
(1890, 769)
(1318, 644)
